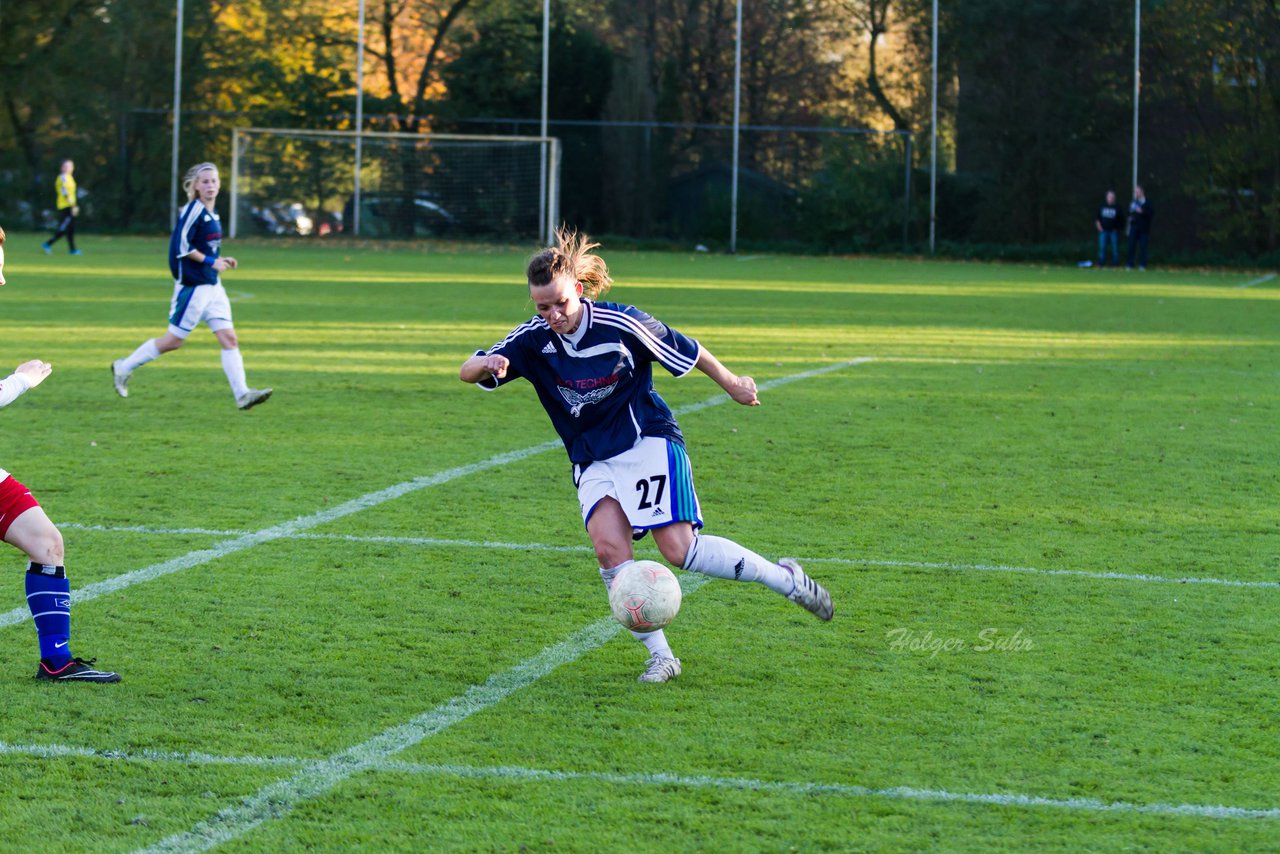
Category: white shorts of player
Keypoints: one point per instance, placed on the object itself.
(194, 303)
(652, 480)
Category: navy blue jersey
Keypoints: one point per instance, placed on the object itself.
(198, 229)
(597, 384)
(1109, 217)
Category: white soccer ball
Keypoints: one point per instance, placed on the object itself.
(645, 596)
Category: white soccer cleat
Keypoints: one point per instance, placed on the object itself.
(806, 592)
(660, 669)
(253, 397)
(119, 379)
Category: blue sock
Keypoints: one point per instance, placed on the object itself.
(49, 598)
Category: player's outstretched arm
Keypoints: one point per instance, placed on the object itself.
(28, 375)
(483, 366)
(741, 389)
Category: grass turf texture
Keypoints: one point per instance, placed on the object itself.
(1051, 419)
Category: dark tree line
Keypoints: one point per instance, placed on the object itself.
(1035, 102)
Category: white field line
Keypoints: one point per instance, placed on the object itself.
(364, 502)
(1076, 573)
(1258, 281)
(433, 542)
(847, 789)
(533, 775)
(59, 751)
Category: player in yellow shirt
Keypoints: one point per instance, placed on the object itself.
(68, 210)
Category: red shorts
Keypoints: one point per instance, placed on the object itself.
(15, 499)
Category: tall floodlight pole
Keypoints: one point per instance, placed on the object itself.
(1137, 81)
(543, 219)
(737, 106)
(933, 132)
(355, 201)
(177, 118)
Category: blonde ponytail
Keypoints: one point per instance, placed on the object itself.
(571, 255)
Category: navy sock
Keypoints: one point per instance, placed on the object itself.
(49, 598)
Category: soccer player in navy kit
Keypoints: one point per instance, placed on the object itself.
(24, 525)
(591, 365)
(198, 294)
(1108, 225)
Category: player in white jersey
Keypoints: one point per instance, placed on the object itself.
(195, 261)
(591, 365)
(24, 525)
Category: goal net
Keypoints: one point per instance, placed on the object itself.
(304, 182)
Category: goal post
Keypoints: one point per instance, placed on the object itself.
(289, 181)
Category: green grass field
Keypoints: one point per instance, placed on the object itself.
(365, 615)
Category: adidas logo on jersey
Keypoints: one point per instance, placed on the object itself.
(550, 348)
(657, 511)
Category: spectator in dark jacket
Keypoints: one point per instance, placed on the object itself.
(1108, 225)
(1140, 215)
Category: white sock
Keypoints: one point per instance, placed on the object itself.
(721, 558)
(145, 353)
(607, 575)
(233, 367)
(655, 642)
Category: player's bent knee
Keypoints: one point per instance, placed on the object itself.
(612, 554)
(48, 548)
(674, 553)
(673, 542)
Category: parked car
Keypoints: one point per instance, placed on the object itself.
(279, 218)
(380, 213)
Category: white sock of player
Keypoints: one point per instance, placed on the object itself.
(145, 353)
(233, 367)
(655, 642)
(721, 558)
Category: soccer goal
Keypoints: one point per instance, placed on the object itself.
(393, 185)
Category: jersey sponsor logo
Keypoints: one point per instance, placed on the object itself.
(549, 348)
(577, 400)
(588, 383)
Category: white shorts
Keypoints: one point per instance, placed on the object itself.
(194, 303)
(653, 482)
